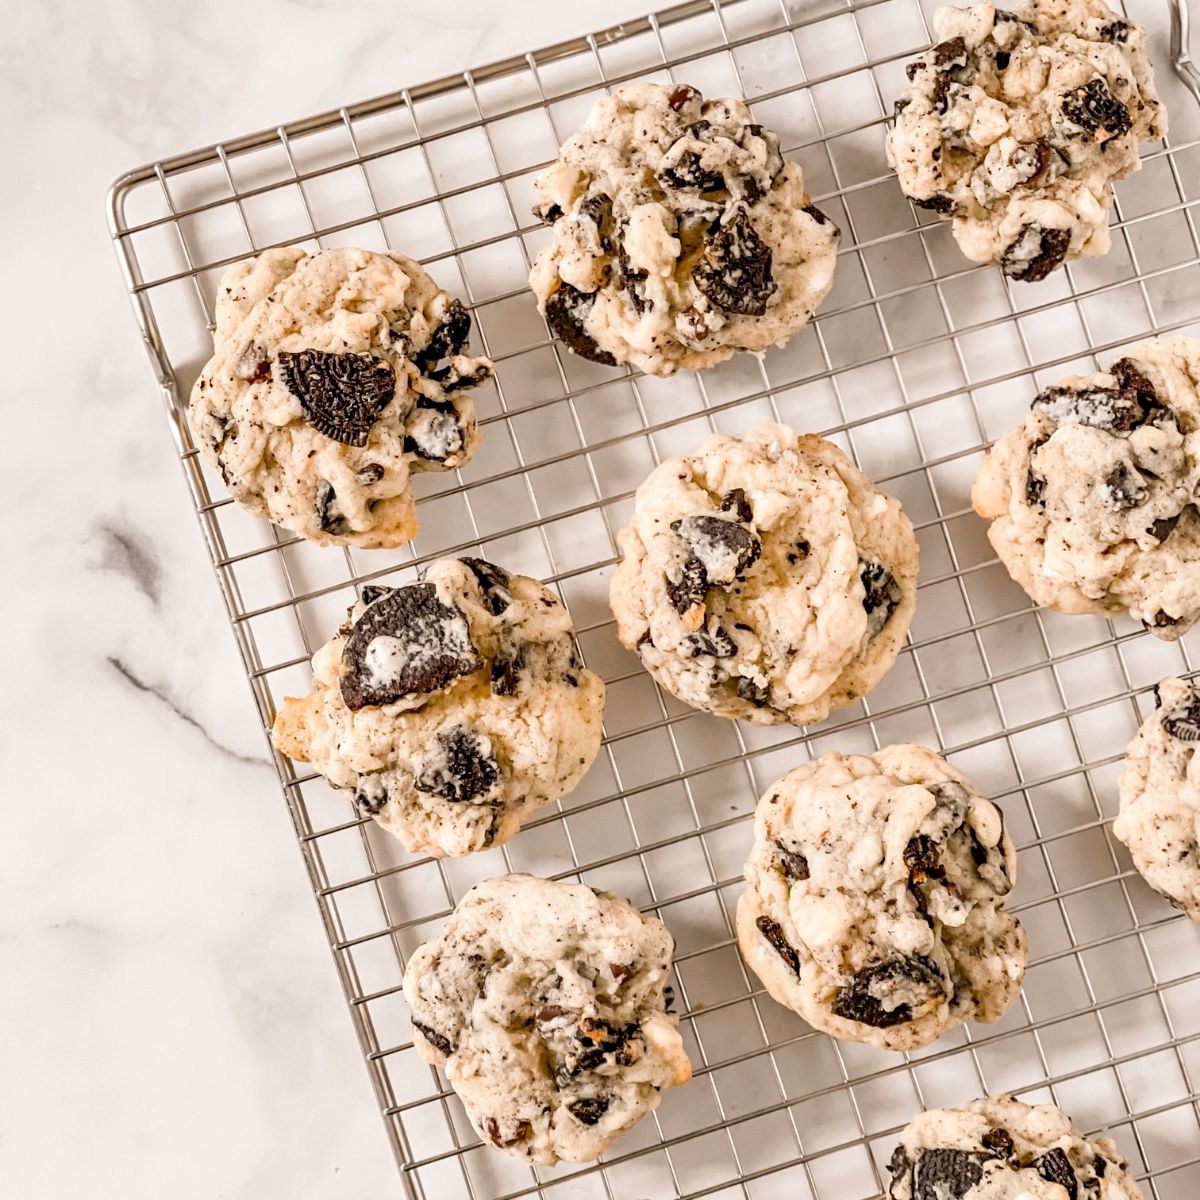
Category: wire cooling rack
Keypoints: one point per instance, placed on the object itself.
(917, 360)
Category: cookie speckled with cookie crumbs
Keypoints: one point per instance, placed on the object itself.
(1093, 498)
(545, 1004)
(335, 376)
(1015, 125)
(454, 707)
(874, 904)
(679, 234)
(765, 578)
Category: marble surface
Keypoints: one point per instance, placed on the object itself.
(170, 1017)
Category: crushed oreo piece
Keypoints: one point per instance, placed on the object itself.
(369, 473)
(1094, 108)
(999, 1142)
(881, 597)
(435, 1039)
(1183, 721)
(683, 170)
(547, 213)
(1115, 31)
(792, 862)
(375, 591)
(630, 278)
(370, 794)
(1035, 253)
(681, 95)
(690, 588)
(863, 998)
(522, 1131)
(753, 692)
(434, 431)
(406, 643)
(923, 858)
(1115, 410)
(566, 311)
(724, 548)
(589, 1110)
(1162, 620)
(1125, 487)
(464, 768)
(1003, 58)
(328, 518)
(735, 501)
(939, 203)
(816, 214)
(1055, 1167)
(255, 364)
(493, 581)
(735, 270)
(718, 644)
(945, 1174)
(341, 395)
(507, 668)
(448, 337)
(1131, 379)
(773, 932)
(1035, 484)
(1161, 528)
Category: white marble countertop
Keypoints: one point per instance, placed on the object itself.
(171, 1020)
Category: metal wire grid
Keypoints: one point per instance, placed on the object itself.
(916, 362)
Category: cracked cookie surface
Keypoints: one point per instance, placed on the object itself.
(874, 904)
(334, 377)
(765, 577)
(1015, 125)
(998, 1148)
(679, 234)
(1093, 499)
(454, 707)
(545, 1004)
(1159, 819)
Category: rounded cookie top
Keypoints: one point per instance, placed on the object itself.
(334, 376)
(1000, 1149)
(1016, 124)
(680, 234)
(874, 904)
(765, 577)
(1159, 819)
(546, 1006)
(454, 707)
(1092, 498)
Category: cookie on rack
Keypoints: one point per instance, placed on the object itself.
(1016, 124)
(874, 904)
(1093, 499)
(454, 707)
(679, 234)
(545, 1004)
(335, 376)
(998, 1148)
(765, 577)
(1159, 819)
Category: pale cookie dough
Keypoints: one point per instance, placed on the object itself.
(454, 707)
(1092, 499)
(335, 376)
(1017, 123)
(1000, 1149)
(545, 1004)
(765, 578)
(874, 904)
(1160, 796)
(680, 234)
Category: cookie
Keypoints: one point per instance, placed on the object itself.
(1000, 1149)
(765, 578)
(545, 1004)
(335, 376)
(454, 707)
(874, 902)
(1092, 498)
(1016, 124)
(1159, 819)
(679, 234)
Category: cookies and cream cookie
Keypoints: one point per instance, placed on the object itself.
(334, 376)
(765, 577)
(1159, 819)
(453, 707)
(545, 1004)
(1016, 124)
(1000, 1149)
(1093, 499)
(680, 234)
(874, 902)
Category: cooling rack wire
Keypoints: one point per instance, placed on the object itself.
(917, 360)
